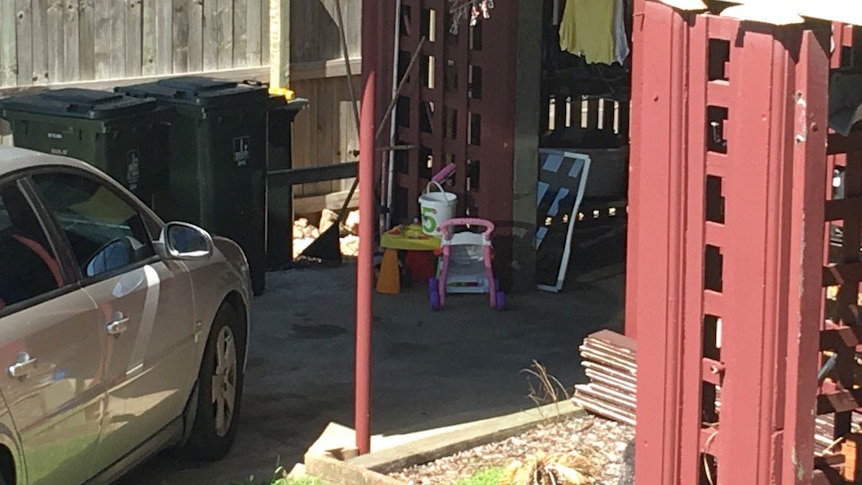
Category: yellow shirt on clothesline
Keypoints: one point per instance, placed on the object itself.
(587, 29)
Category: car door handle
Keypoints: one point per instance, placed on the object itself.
(117, 326)
(23, 367)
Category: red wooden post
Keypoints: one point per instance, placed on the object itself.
(726, 224)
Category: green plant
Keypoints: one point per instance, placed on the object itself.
(485, 476)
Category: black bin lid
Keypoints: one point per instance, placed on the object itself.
(199, 91)
(78, 103)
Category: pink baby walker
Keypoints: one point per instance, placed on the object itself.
(465, 265)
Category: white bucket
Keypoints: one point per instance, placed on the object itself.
(436, 207)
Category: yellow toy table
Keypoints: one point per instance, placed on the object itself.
(400, 238)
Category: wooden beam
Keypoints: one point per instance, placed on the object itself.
(237, 75)
(839, 401)
(296, 176)
(303, 71)
(837, 338)
(279, 40)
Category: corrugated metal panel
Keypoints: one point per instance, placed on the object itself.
(780, 12)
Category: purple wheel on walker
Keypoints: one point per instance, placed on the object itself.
(434, 294)
(501, 300)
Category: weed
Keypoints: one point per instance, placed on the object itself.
(485, 476)
(544, 388)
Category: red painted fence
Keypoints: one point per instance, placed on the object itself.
(457, 106)
(728, 184)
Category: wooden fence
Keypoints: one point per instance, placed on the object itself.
(324, 133)
(56, 41)
(99, 44)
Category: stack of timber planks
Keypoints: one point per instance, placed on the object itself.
(610, 361)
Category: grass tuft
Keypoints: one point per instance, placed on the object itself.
(485, 476)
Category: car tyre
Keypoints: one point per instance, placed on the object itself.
(220, 379)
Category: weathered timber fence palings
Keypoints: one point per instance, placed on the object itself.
(60, 41)
(726, 247)
(101, 43)
(325, 133)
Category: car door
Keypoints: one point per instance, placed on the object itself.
(145, 307)
(51, 343)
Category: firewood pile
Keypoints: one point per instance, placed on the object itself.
(305, 233)
(610, 362)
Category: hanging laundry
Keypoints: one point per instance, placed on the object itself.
(594, 29)
(621, 38)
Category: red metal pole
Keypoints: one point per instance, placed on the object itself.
(364, 266)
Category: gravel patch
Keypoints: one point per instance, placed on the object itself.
(589, 435)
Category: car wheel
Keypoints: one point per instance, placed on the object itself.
(220, 380)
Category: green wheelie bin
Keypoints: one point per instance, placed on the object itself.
(123, 136)
(218, 149)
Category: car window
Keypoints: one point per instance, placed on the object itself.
(104, 231)
(28, 264)
(153, 226)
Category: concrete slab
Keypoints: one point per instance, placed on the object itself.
(431, 370)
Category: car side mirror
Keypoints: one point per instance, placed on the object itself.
(180, 240)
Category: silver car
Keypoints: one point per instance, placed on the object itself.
(120, 335)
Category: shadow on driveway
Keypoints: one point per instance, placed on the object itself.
(430, 369)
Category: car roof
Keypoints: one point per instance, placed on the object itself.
(13, 159)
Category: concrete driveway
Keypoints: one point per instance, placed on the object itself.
(430, 369)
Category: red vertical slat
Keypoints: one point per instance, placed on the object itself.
(462, 67)
(691, 418)
(804, 314)
(498, 129)
(656, 243)
(440, 50)
(785, 43)
(838, 41)
(748, 340)
(639, 51)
